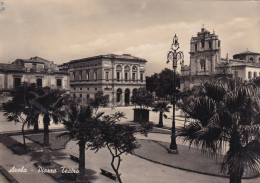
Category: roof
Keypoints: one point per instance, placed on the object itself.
(247, 53)
(110, 56)
(11, 67)
(33, 59)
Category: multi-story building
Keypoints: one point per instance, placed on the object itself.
(33, 70)
(206, 63)
(115, 75)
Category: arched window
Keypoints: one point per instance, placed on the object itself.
(202, 65)
(118, 95)
(126, 69)
(118, 67)
(127, 96)
(202, 43)
(95, 75)
(118, 72)
(251, 59)
(80, 75)
(210, 45)
(255, 74)
(134, 70)
(249, 75)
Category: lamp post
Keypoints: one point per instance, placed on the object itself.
(174, 56)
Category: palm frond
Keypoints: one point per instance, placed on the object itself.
(243, 158)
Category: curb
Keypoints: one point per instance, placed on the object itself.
(19, 132)
(7, 175)
(188, 170)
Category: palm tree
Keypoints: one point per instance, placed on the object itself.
(226, 116)
(82, 127)
(162, 107)
(49, 103)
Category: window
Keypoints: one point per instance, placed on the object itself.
(196, 47)
(58, 82)
(96, 89)
(118, 72)
(126, 76)
(88, 89)
(142, 77)
(202, 65)
(126, 69)
(210, 45)
(95, 75)
(118, 76)
(74, 95)
(118, 95)
(74, 88)
(134, 73)
(80, 75)
(17, 82)
(118, 68)
(251, 59)
(255, 74)
(133, 76)
(218, 43)
(202, 43)
(74, 76)
(80, 88)
(87, 96)
(107, 78)
(87, 76)
(39, 82)
(249, 75)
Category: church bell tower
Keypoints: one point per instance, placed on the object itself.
(205, 53)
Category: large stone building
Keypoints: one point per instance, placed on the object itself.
(206, 63)
(115, 75)
(33, 70)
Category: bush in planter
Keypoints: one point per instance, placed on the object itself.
(143, 99)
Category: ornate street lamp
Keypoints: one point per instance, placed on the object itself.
(174, 56)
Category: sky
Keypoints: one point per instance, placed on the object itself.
(63, 30)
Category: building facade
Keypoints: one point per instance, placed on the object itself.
(206, 63)
(33, 70)
(115, 75)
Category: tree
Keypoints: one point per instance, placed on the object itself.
(119, 139)
(161, 107)
(226, 115)
(142, 98)
(82, 126)
(162, 83)
(49, 103)
(100, 100)
(19, 108)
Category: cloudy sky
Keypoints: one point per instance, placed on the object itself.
(62, 30)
